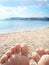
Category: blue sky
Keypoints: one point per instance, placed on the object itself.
(24, 8)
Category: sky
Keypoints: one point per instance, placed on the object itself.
(24, 8)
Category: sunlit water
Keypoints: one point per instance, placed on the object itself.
(7, 26)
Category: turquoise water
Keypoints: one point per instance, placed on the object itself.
(21, 25)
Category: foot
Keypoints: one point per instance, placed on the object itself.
(17, 55)
(41, 56)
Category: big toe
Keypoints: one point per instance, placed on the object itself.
(44, 60)
(24, 49)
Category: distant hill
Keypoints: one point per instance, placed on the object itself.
(31, 18)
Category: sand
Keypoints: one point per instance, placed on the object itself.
(34, 39)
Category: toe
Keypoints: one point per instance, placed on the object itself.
(8, 53)
(8, 62)
(13, 51)
(46, 51)
(44, 60)
(24, 49)
(40, 51)
(35, 57)
(18, 48)
(3, 59)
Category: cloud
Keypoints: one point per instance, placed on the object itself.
(22, 2)
(48, 5)
(21, 11)
(41, 0)
(40, 14)
(6, 12)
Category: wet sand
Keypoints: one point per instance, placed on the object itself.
(34, 39)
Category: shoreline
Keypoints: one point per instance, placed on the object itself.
(23, 30)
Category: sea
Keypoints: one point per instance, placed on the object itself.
(8, 26)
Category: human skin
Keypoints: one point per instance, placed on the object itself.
(18, 55)
(41, 56)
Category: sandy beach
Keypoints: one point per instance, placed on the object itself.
(34, 39)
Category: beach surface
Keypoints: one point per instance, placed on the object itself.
(34, 39)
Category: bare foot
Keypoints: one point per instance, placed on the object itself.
(41, 56)
(17, 55)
